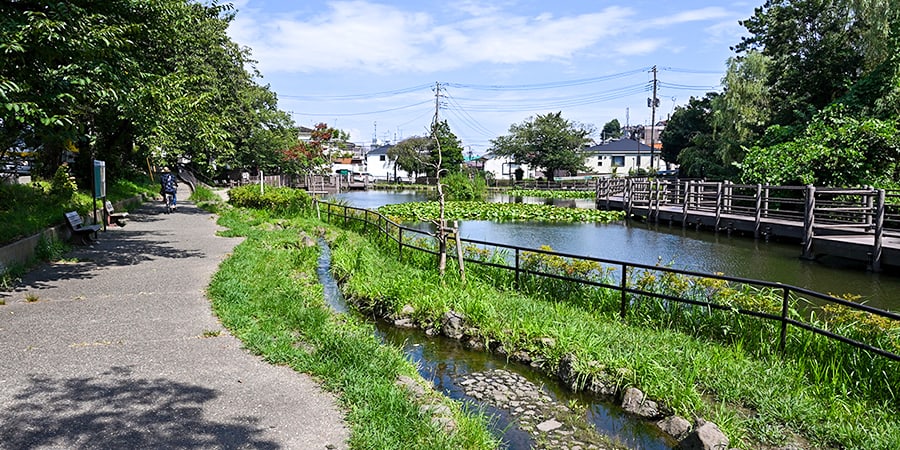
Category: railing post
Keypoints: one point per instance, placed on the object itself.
(868, 201)
(622, 287)
(765, 208)
(687, 200)
(758, 218)
(345, 215)
(784, 313)
(879, 233)
(629, 185)
(518, 269)
(719, 192)
(809, 221)
(400, 244)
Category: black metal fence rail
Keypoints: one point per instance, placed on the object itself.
(406, 238)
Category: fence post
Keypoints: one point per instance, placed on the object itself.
(684, 205)
(345, 215)
(809, 220)
(868, 204)
(622, 288)
(784, 312)
(758, 218)
(879, 232)
(517, 269)
(400, 243)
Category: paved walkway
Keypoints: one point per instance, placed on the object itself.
(120, 350)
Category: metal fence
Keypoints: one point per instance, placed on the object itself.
(408, 238)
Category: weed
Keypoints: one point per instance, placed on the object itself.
(31, 297)
(211, 333)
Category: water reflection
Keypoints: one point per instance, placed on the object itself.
(681, 248)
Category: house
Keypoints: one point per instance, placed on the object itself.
(621, 157)
(380, 167)
(503, 168)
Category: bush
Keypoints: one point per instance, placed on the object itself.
(458, 186)
(280, 199)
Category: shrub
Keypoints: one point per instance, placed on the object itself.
(272, 198)
(458, 186)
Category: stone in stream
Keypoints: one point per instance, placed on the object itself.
(551, 424)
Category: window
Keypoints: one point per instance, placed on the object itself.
(618, 161)
(599, 162)
(382, 157)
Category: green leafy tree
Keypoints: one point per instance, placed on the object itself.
(814, 46)
(741, 114)
(612, 129)
(835, 150)
(690, 140)
(547, 141)
(452, 159)
(411, 155)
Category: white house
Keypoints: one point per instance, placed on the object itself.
(620, 157)
(503, 168)
(380, 167)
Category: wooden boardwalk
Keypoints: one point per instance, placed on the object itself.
(855, 224)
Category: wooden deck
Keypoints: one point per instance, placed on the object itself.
(844, 223)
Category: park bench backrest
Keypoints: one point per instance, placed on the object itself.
(74, 219)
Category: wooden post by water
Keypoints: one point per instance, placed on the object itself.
(879, 232)
(719, 192)
(627, 197)
(684, 205)
(809, 222)
(758, 218)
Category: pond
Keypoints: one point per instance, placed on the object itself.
(689, 249)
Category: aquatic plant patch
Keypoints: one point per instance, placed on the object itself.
(546, 193)
(500, 212)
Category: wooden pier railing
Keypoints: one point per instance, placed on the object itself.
(811, 214)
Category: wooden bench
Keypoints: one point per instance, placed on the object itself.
(112, 216)
(85, 232)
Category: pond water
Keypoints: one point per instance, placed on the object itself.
(688, 249)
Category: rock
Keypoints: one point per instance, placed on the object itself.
(548, 426)
(566, 371)
(676, 426)
(598, 386)
(404, 323)
(706, 436)
(407, 311)
(452, 325)
(521, 356)
(635, 402)
(547, 342)
(411, 386)
(436, 410)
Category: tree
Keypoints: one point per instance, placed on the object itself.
(742, 112)
(836, 149)
(815, 50)
(612, 130)
(411, 155)
(450, 147)
(547, 141)
(312, 156)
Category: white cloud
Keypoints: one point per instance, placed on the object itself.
(695, 15)
(359, 35)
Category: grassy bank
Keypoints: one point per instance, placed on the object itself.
(267, 294)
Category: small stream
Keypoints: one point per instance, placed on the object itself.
(521, 401)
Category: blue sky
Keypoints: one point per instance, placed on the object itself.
(369, 67)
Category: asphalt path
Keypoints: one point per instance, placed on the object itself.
(118, 348)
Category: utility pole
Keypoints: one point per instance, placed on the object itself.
(653, 103)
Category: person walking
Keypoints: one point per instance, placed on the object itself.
(169, 185)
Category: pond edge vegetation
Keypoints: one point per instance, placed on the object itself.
(798, 419)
